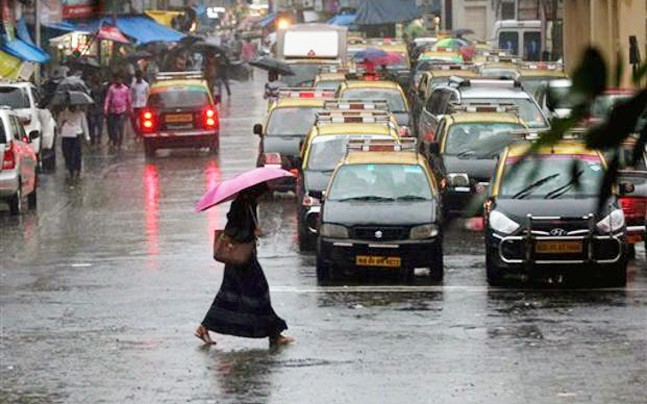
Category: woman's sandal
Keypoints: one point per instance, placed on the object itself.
(281, 340)
(203, 334)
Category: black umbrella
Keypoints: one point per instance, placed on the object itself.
(268, 63)
(72, 83)
(202, 46)
(140, 54)
(71, 98)
(462, 31)
(88, 62)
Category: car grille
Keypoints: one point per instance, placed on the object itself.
(573, 227)
(378, 233)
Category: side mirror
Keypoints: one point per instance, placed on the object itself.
(434, 148)
(627, 188)
(258, 129)
(33, 135)
(317, 194)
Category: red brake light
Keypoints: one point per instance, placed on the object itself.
(9, 158)
(147, 121)
(210, 118)
(634, 208)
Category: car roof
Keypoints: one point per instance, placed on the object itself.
(382, 157)
(163, 84)
(389, 85)
(354, 129)
(448, 73)
(564, 148)
(299, 102)
(485, 117)
(493, 92)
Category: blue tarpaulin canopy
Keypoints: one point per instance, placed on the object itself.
(375, 12)
(141, 29)
(267, 20)
(23, 47)
(343, 19)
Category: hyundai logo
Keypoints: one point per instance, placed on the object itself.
(558, 232)
(378, 234)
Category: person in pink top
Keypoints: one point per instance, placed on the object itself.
(117, 107)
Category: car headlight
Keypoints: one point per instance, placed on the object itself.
(501, 223)
(424, 231)
(613, 222)
(458, 180)
(333, 231)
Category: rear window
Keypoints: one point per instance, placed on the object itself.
(291, 121)
(528, 110)
(13, 97)
(3, 136)
(179, 98)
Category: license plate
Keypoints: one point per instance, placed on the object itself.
(558, 247)
(634, 238)
(177, 118)
(373, 261)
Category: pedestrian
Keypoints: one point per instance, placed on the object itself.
(73, 126)
(272, 87)
(95, 111)
(139, 91)
(116, 107)
(242, 306)
(222, 75)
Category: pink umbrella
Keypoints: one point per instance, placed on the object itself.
(112, 34)
(391, 58)
(228, 189)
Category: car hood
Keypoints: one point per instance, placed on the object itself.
(316, 180)
(479, 169)
(351, 213)
(518, 209)
(285, 145)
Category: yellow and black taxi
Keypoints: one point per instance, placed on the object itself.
(358, 227)
(180, 112)
(534, 76)
(502, 67)
(329, 80)
(463, 152)
(286, 125)
(322, 149)
(380, 89)
(542, 221)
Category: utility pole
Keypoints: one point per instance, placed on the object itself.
(37, 20)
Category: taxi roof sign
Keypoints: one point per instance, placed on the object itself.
(484, 82)
(542, 66)
(357, 116)
(353, 104)
(306, 92)
(500, 107)
(452, 66)
(381, 145)
(196, 75)
(336, 69)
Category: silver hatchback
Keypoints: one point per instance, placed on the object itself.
(18, 176)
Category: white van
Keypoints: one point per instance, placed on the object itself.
(522, 38)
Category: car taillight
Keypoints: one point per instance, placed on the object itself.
(310, 201)
(272, 159)
(147, 121)
(210, 118)
(9, 158)
(634, 208)
(404, 131)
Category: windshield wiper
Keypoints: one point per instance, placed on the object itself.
(411, 198)
(527, 190)
(466, 153)
(366, 198)
(557, 192)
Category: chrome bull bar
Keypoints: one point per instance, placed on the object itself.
(587, 239)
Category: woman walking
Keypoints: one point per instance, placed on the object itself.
(242, 306)
(74, 125)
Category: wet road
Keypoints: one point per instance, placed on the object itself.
(102, 288)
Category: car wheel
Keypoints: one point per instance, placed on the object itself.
(437, 269)
(305, 242)
(323, 271)
(149, 148)
(16, 202)
(493, 272)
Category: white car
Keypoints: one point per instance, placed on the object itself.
(18, 163)
(24, 99)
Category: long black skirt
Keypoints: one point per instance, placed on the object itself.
(242, 306)
(72, 152)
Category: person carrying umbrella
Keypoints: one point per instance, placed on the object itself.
(73, 125)
(242, 306)
(272, 87)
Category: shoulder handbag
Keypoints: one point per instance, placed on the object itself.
(228, 251)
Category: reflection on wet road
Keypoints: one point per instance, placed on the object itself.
(103, 286)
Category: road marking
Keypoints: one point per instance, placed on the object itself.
(81, 265)
(437, 288)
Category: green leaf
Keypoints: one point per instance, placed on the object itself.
(622, 121)
(639, 74)
(590, 77)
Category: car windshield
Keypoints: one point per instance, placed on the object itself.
(178, 98)
(380, 182)
(528, 110)
(291, 121)
(552, 177)
(560, 97)
(480, 139)
(603, 104)
(303, 73)
(13, 97)
(392, 97)
(326, 151)
(534, 85)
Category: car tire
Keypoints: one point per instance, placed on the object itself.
(149, 148)
(323, 271)
(494, 273)
(305, 243)
(16, 203)
(437, 268)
